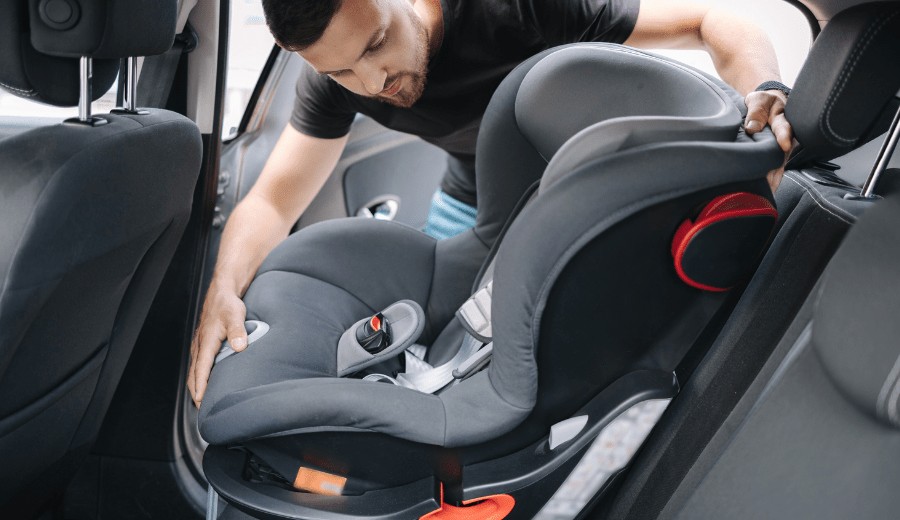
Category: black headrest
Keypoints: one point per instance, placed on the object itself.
(29, 74)
(102, 28)
(855, 327)
(41, 40)
(846, 92)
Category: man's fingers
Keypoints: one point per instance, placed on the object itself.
(758, 108)
(191, 380)
(209, 347)
(782, 130)
(237, 336)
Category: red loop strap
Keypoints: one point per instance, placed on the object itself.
(725, 207)
(493, 507)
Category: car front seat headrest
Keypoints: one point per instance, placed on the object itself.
(843, 94)
(41, 41)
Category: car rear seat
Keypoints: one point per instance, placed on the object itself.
(824, 207)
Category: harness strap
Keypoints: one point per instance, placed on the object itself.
(473, 355)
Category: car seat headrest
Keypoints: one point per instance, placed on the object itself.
(102, 28)
(27, 73)
(592, 99)
(580, 86)
(855, 327)
(842, 95)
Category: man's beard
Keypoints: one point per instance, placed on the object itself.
(412, 91)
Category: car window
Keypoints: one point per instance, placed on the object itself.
(785, 25)
(249, 45)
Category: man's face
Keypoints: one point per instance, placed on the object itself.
(374, 48)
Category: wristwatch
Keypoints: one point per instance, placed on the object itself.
(774, 85)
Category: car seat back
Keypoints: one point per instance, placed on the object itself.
(817, 435)
(91, 210)
(819, 208)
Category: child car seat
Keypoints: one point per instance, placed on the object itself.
(581, 305)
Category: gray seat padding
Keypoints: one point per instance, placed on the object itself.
(90, 217)
(329, 276)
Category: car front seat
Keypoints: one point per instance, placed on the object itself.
(91, 211)
(598, 282)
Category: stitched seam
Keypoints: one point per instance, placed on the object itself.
(892, 378)
(861, 46)
(893, 411)
(813, 189)
(24, 92)
(816, 197)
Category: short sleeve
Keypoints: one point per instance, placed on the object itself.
(320, 108)
(570, 21)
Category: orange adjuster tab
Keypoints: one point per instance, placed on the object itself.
(319, 482)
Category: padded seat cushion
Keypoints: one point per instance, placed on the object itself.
(310, 290)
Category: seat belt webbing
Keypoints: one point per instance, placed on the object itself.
(473, 354)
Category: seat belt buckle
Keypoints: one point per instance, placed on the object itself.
(474, 363)
(475, 314)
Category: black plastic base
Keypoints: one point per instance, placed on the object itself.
(125, 111)
(530, 475)
(92, 121)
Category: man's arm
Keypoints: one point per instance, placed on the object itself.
(741, 53)
(296, 170)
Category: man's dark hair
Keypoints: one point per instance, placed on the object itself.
(297, 24)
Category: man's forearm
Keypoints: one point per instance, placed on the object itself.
(745, 61)
(252, 231)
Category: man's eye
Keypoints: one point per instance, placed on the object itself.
(378, 45)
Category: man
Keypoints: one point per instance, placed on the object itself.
(429, 67)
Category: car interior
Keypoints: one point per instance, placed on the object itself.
(636, 327)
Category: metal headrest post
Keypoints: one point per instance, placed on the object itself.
(884, 156)
(131, 78)
(85, 95)
(131, 84)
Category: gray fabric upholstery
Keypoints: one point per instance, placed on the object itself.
(661, 101)
(805, 452)
(528, 265)
(856, 329)
(89, 220)
(835, 104)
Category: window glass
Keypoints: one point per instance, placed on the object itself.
(249, 45)
(785, 25)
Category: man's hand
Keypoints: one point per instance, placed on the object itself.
(222, 318)
(767, 108)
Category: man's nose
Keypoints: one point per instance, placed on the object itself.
(372, 77)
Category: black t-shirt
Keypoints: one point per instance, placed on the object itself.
(483, 41)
